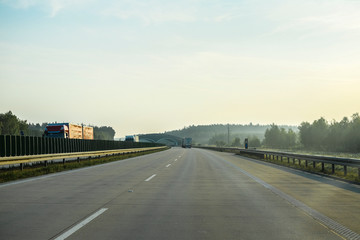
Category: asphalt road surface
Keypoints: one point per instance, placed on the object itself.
(179, 194)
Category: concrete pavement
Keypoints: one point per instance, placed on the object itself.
(189, 194)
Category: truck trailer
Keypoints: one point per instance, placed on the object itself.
(131, 138)
(68, 130)
(186, 142)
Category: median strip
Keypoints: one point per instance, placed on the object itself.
(81, 224)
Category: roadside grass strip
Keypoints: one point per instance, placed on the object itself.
(351, 175)
(321, 218)
(38, 169)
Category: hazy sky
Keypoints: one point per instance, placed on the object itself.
(152, 65)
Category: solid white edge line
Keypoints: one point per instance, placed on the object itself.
(151, 177)
(319, 217)
(81, 224)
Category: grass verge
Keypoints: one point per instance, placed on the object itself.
(38, 169)
(351, 176)
(309, 152)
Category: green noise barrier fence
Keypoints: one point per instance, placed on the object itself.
(27, 145)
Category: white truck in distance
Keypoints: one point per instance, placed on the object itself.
(131, 138)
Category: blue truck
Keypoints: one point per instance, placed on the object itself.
(186, 142)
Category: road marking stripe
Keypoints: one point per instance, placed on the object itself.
(175, 160)
(321, 218)
(148, 179)
(168, 165)
(81, 224)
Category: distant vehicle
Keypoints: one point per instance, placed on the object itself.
(68, 130)
(131, 138)
(186, 142)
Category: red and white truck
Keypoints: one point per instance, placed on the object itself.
(68, 130)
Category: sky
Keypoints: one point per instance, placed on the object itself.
(149, 66)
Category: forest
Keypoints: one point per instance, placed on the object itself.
(226, 134)
(320, 135)
(12, 125)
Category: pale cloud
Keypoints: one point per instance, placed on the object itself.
(155, 11)
(52, 7)
(149, 13)
(311, 19)
(225, 17)
(335, 22)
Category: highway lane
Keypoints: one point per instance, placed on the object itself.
(40, 208)
(175, 194)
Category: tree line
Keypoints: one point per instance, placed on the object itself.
(224, 133)
(320, 135)
(223, 140)
(12, 125)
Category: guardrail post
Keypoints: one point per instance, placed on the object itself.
(306, 163)
(64, 161)
(294, 161)
(21, 166)
(46, 163)
(332, 168)
(299, 162)
(281, 158)
(323, 167)
(345, 170)
(314, 164)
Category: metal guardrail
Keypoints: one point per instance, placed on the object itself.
(64, 156)
(334, 161)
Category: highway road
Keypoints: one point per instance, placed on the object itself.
(180, 194)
